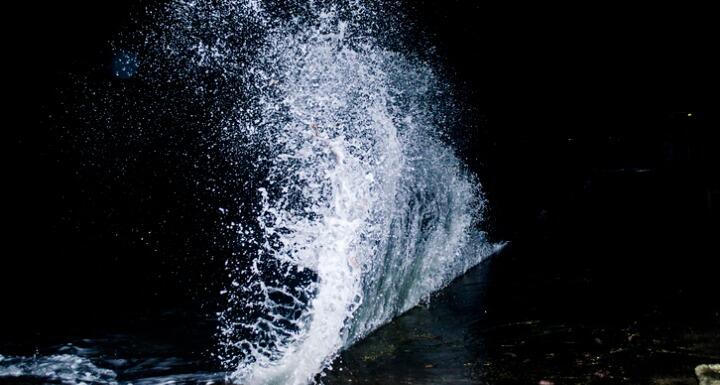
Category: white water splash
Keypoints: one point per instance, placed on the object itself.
(363, 210)
(61, 368)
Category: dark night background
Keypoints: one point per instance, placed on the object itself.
(594, 132)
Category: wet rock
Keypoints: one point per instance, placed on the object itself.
(708, 374)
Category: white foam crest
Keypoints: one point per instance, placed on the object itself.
(322, 172)
(61, 368)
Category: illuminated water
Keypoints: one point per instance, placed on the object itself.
(363, 209)
(359, 207)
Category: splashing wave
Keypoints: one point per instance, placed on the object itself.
(363, 209)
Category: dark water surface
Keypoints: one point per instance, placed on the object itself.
(516, 319)
(504, 324)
